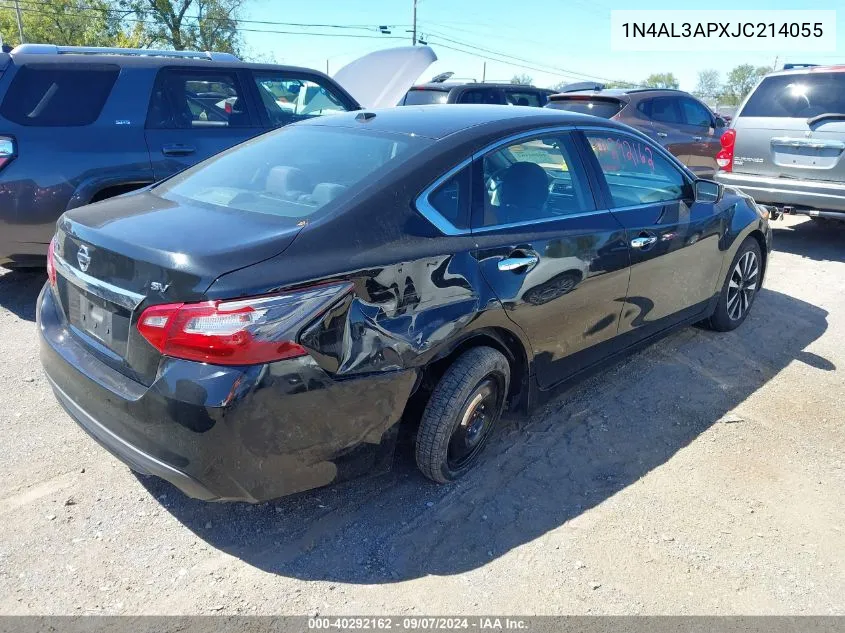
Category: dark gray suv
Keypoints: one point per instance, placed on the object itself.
(79, 125)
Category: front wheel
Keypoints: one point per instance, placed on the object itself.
(461, 413)
(740, 288)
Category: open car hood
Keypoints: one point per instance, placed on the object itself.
(380, 79)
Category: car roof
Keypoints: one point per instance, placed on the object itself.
(623, 92)
(439, 121)
(445, 86)
(146, 61)
(808, 70)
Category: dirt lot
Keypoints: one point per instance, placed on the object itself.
(703, 475)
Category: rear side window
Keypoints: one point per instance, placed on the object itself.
(452, 199)
(605, 108)
(425, 97)
(198, 99)
(800, 96)
(58, 95)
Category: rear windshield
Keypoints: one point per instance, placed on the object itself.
(293, 172)
(425, 97)
(604, 108)
(799, 96)
(58, 94)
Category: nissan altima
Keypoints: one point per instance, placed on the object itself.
(264, 322)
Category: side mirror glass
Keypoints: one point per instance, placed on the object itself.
(708, 191)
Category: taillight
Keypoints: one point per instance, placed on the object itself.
(725, 157)
(8, 150)
(51, 262)
(242, 332)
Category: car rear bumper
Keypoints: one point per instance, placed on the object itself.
(809, 197)
(228, 433)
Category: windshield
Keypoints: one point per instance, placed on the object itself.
(605, 108)
(293, 172)
(799, 96)
(425, 97)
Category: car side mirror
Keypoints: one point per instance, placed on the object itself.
(720, 123)
(708, 191)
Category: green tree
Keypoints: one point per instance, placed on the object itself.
(709, 85)
(661, 80)
(69, 23)
(740, 81)
(189, 24)
(522, 78)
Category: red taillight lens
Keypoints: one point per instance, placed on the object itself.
(8, 150)
(51, 262)
(243, 332)
(725, 157)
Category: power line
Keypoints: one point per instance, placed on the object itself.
(556, 69)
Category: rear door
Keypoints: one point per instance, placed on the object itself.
(195, 113)
(793, 126)
(701, 124)
(673, 240)
(557, 263)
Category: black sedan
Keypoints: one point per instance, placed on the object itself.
(265, 321)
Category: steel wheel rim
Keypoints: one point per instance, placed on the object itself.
(742, 285)
(475, 424)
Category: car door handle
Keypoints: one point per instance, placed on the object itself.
(662, 135)
(515, 263)
(643, 241)
(178, 150)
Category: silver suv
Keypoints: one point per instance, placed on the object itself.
(786, 146)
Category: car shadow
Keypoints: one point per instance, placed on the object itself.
(19, 289)
(538, 472)
(821, 241)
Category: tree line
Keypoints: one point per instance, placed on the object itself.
(176, 24)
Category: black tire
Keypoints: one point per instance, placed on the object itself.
(740, 288)
(456, 423)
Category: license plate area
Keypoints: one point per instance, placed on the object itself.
(105, 322)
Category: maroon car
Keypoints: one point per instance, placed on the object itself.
(675, 119)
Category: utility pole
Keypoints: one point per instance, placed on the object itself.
(413, 33)
(775, 66)
(484, 72)
(20, 20)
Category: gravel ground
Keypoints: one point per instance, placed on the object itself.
(702, 475)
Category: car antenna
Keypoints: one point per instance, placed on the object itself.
(365, 116)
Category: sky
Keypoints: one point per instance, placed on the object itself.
(555, 40)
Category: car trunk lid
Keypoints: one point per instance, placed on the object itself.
(107, 277)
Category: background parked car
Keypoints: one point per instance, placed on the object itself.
(442, 89)
(786, 146)
(675, 119)
(79, 125)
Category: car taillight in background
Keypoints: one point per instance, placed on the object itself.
(8, 150)
(51, 262)
(725, 157)
(241, 332)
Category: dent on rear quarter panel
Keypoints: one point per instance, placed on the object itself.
(398, 317)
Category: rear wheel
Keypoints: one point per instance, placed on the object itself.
(740, 288)
(461, 413)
